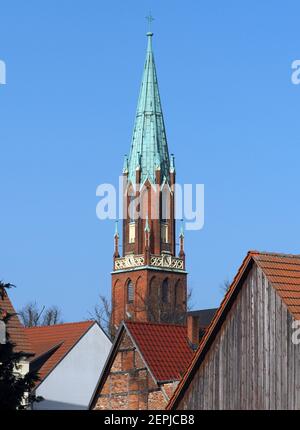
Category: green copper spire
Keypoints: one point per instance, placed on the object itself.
(149, 149)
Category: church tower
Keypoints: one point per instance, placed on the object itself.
(149, 281)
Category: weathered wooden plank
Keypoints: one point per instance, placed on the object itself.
(221, 372)
(291, 365)
(284, 362)
(216, 387)
(243, 348)
(249, 351)
(266, 342)
(297, 376)
(272, 350)
(237, 370)
(254, 338)
(278, 349)
(259, 358)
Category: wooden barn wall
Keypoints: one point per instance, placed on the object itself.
(252, 363)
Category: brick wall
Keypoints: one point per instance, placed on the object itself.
(129, 385)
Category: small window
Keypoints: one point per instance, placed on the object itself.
(164, 233)
(130, 292)
(165, 291)
(131, 232)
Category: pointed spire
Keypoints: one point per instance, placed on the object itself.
(181, 242)
(149, 140)
(125, 165)
(116, 241)
(172, 163)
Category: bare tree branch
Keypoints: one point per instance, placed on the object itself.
(52, 316)
(224, 287)
(32, 315)
(102, 314)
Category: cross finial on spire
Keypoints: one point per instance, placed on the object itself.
(149, 18)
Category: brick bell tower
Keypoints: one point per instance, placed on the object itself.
(149, 282)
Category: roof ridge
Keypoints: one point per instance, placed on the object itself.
(277, 254)
(155, 324)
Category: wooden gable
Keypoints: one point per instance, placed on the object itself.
(248, 359)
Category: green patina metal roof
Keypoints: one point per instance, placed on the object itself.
(149, 149)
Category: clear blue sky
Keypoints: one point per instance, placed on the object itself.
(66, 118)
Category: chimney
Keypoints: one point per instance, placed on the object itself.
(193, 329)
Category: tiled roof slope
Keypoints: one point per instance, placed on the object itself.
(15, 329)
(281, 270)
(164, 347)
(61, 338)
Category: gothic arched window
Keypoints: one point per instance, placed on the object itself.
(165, 291)
(130, 292)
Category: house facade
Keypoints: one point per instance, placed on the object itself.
(250, 355)
(144, 367)
(69, 358)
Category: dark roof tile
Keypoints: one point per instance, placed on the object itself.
(164, 347)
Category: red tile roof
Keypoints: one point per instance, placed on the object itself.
(164, 347)
(281, 270)
(59, 338)
(15, 329)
